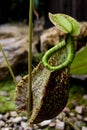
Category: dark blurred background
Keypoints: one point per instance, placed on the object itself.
(17, 10)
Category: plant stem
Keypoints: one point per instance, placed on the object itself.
(9, 67)
(70, 123)
(30, 62)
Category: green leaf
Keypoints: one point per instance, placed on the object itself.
(79, 65)
(61, 22)
(75, 25)
(65, 23)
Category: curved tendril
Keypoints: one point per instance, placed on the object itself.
(70, 50)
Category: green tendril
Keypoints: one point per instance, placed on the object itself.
(70, 50)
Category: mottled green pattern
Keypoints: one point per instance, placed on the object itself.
(55, 96)
(50, 94)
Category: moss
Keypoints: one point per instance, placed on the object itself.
(76, 96)
(6, 102)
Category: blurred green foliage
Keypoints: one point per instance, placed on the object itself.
(76, 96)
(7, 101)
(79, 65)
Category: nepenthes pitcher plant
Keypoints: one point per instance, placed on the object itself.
(50, 79)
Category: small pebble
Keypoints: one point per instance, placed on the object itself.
(66, 110)
(60, 125)
(7, 115)
(35, 127)
(18, 78)
(85, 97)
(23, 124)
(52, 124)
(17, 119)
(45, 123)
(79, 117)
(72, 114)
(8, 99)
(24, 118)
(4, 93)
(85, 119)
(16, 127)
(13, 113)
(10, 120)
(7, 128)
(1, 116)
(79, 109)
(2, 123)
(29, 128)
(84, 128)
(78, 124)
